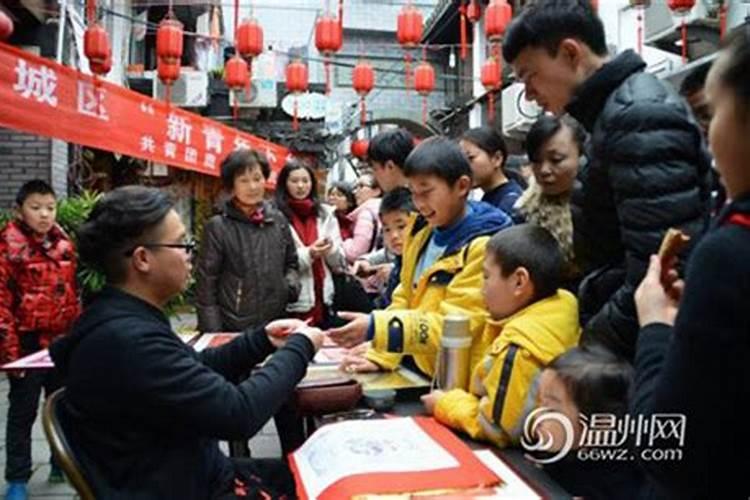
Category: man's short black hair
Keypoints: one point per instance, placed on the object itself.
(396, 200)
(121, 220)
(36, 186)
(238, 162)
(438, 156)
(533, 248)
(695, 80)
(545, 23)
(394, 145)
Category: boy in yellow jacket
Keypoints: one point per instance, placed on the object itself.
(441, 269)
(533, 321)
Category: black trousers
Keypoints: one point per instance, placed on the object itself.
(24, 401)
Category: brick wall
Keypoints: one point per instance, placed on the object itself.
(24, 157)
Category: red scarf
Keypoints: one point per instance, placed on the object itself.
(305, 223)
(346, 225)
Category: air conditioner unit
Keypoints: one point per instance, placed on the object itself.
(189, 91)
(518, 113)
(262, 94)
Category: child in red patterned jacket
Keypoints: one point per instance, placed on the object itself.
(38, 302)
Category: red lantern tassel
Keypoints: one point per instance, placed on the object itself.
(491, 106)
(295, 121)
(424, 110)
(462, 10)
(327, 66)
(640, 32)
(169, 94)
(362, 111)
(722, 20)
(684, 41)
(407, 67)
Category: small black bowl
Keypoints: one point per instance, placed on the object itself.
(380, 399)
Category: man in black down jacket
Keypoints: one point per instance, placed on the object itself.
(142, 410)
(647, 167)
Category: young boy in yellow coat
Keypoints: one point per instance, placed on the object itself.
(533, 321)
(441, 269)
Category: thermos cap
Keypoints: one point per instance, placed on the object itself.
(456, 326)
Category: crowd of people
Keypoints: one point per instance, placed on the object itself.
(569, 307)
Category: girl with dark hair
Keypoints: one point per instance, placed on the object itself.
(317, 238)
(340, 196)
(486, 151)
(555, 148)
(693, 346)
(575, 386)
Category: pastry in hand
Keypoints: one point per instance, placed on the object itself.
(673, 243)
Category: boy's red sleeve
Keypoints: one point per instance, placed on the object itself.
(8, 334)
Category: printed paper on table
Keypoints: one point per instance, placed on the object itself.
(396, 455)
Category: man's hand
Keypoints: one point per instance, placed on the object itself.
(316, 336)
(657, 301)
(430, 400)
(352, 333)
(284, 327)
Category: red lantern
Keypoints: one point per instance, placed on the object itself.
(409, 34)
(328, 40)
(359, 148)
(236, 73)
(492, 80)
(296, 83)
(496, 19)
(249, 39)
(474, 11)
(363, 81)
(96, 45)
(6, 26)
(237, 78)
(424, 83)
(722, 20)
(168, 74)
(169, 41)
(682, 8)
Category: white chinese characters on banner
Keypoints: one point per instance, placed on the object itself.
(170, 150)
(214, 139)
(240, 143)
(39, 83)
(191, 155)
(148, 144)
(91, 100)
(178, 129)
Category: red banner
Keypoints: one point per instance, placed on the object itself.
(41, 97)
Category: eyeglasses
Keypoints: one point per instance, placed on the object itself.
(188, 246)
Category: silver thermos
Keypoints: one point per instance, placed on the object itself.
(455, 353)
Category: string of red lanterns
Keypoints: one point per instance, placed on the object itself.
(363, 81)
(96, 45)
(409, 33)
(682, 8)
(462, 27)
